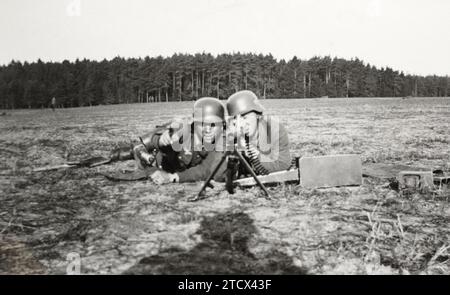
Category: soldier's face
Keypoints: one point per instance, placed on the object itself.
(248, 122)
(209, 131)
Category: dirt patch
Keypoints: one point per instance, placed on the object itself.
(223, 250)
(137, 227)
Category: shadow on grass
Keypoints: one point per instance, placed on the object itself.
(224, 250)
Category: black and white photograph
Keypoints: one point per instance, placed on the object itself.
(224, 137)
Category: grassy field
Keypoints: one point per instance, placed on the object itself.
(138, 227)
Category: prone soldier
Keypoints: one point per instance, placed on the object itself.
(178, 150)
(263, 138)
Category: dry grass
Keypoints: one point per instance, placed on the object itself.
(138, 227)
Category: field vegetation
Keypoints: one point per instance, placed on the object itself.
(138, 227)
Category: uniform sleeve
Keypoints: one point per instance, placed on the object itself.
(204, 169)
(151, 140)
(278, 157)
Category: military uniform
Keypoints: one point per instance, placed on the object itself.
(191, 165)
(275, 156)
(270, 151)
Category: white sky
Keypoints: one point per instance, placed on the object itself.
(408, 35)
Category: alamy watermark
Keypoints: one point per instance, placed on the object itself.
(73, 263)
(73, 8)
(228, 135)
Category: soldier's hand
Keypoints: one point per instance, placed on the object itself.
(166, 139)
(162, 177)
(147, 158)
(144, 157)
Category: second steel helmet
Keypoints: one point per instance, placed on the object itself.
(243, 102)
(209, 110)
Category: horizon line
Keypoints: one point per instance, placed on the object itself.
(215, 55)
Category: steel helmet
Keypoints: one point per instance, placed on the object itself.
(209, 110)
(243, 102)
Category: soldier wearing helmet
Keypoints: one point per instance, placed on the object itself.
(263, 138)
(179, 150)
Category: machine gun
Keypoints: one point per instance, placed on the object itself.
(234, 158)
(119, 154)
(116, 155)
(90, 162)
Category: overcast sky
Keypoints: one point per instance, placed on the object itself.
(408, 35)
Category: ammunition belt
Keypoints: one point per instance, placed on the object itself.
(253, 158)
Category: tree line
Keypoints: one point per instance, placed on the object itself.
(187, 77)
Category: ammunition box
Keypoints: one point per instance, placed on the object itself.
(418, 181)
(442, 183)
